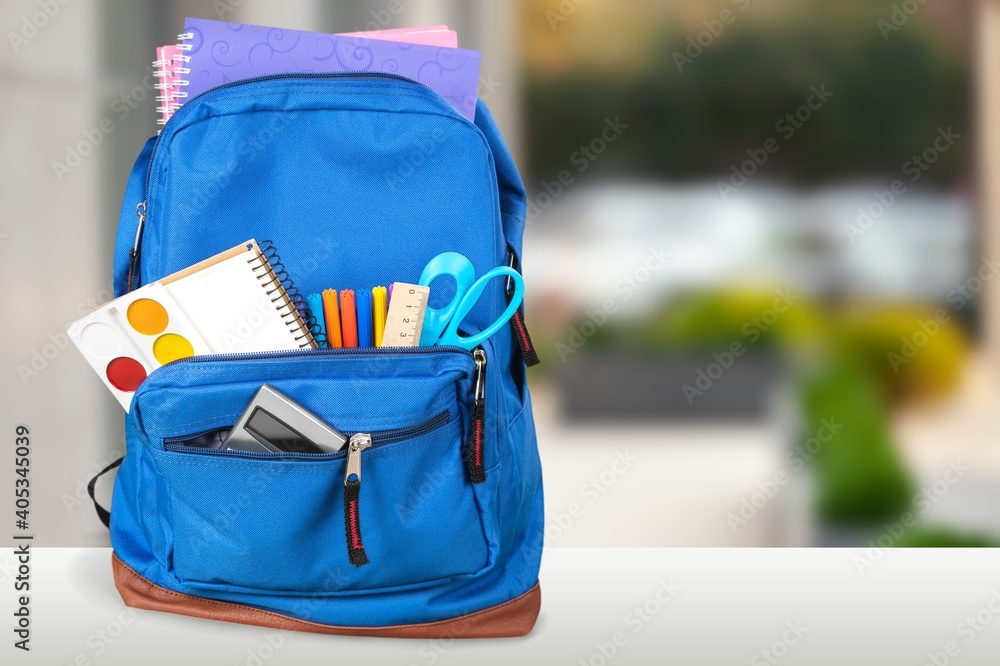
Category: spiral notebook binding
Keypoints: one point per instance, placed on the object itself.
(173, 95)
(162, 70)
(168, 71)
(286, 297)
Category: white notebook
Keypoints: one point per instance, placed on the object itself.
(237, 303)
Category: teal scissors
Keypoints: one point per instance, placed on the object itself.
(441, 324)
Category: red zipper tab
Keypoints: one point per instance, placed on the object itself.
(477, 470)
(477, 436)
(524, 343)
(352, 495)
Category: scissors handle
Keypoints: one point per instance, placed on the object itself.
(460, 268)
(451, 336)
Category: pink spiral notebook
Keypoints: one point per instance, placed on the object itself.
(165, 67)
(212, 53)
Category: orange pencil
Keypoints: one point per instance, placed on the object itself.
(348, 318)
(331, 315)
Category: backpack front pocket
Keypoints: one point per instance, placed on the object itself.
(290, 523)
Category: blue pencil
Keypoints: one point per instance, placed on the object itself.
(315, 303)
(364, 300)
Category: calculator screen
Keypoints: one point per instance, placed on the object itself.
(267, 429)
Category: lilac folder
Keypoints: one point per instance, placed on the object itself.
(222, 52)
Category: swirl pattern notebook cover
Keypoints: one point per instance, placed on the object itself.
(216, 52)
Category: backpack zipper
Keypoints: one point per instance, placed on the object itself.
(309, 353)
(361, 441)
(477, 466)
(352, 495)
(378, 438)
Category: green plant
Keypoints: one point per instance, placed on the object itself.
(944, 537)
(860, 476)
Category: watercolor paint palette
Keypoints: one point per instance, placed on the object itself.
(232, 302)
(130, 337)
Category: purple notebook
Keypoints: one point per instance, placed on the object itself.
(221, 52)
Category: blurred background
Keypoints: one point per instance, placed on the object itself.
(760, 252)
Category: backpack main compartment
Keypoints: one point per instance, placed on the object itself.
(357, 180)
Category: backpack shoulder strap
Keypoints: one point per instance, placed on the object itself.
(102, 513)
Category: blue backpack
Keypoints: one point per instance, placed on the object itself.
(357, 180)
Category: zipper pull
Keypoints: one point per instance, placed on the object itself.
(140, 211)
(524, 344)
(352, 492)
(359, 442)
(477, 466)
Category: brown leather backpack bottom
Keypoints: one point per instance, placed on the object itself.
(512, 618)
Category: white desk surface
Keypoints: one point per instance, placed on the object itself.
(730, 605)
